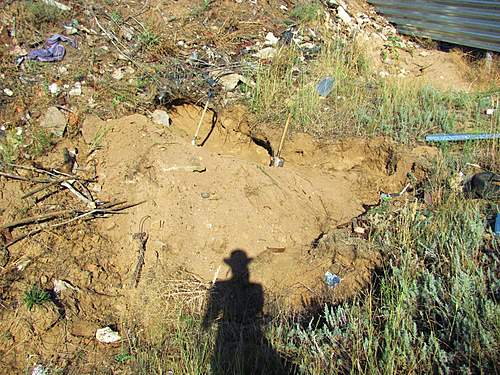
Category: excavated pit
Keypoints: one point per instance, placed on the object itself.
(202, 203)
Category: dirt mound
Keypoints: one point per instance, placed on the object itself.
(201, 203)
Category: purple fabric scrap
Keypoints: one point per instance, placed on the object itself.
(53, 51)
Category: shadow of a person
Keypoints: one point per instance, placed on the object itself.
(236, 304)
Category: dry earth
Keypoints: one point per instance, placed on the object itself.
(199, 203)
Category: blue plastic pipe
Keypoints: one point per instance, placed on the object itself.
(497, 225)
(460, 137)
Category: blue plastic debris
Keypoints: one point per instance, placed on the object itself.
(325, 86)
(460, 137)
(331, 280)
(497, 225)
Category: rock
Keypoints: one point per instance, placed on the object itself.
(57, 4)
(44, 279)
(22, 264)
(54, 88)
(266, 53)
(83, 328)
(39, 370)
(359, 230)
(343, 15)
(76, 90)
(490, 111)
(107, 336)
(8, 92)
(62, 285)
(230, 81)
(118, 74)
(91, 126)
(271, 40)
(161, 118)
(54, 121)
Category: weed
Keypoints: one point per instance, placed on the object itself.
(306, 11)
(99, 136)
(116, 17)
(10, 146)
(35, 296)
(361, 106)
(117, 99)
(123, 357)
(42, 141)
(200, 8)
(40, 13)
(148, 39)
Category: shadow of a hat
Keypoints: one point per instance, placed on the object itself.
(237, 259)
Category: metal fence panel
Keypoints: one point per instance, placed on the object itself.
(473, 23)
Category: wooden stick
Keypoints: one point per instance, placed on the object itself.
(199, 124)
(285, 130)
(43, 187)
(92, 213)
(37, 219)
(76, 193)
(22, 178)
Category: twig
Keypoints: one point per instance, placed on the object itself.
(76, 193)
(113, 209)
(33, 169)
(22, 178)
(43, 187)
(37, 219)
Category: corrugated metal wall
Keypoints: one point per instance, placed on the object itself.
(473, 23)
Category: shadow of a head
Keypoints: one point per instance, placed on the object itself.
(239, 261)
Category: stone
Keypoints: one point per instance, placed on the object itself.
(271, 39)
(230, 81)
(76, 90)
(266, 53)
(8, 92)
(54, 121)
(161, 117)
(39, 370)
(62, 285)
(91, 126)
(54, 88)
(118, 74)
(107, 336)
(343, 15)
(359, 230)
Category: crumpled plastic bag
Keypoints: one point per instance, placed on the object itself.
(53, 49)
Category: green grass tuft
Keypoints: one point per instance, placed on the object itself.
(35, 296)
